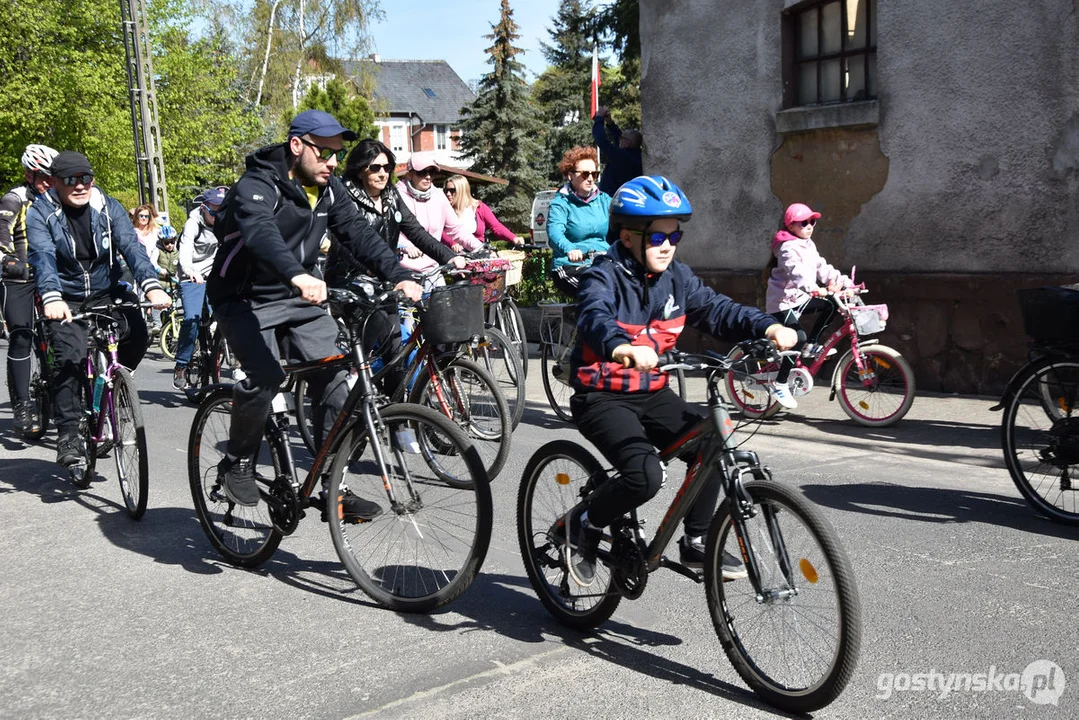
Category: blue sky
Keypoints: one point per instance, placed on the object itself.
(453, 30)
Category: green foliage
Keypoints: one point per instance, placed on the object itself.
(351, 110)
(536, 284)
(501, 128)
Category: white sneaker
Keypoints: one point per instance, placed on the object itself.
(782, 395)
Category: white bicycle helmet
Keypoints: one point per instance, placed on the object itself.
(38, 158)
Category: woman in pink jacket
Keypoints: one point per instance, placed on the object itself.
(799, 275)
(432, 209)
(474, 215)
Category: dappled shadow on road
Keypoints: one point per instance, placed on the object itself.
(166, 399)
(542, 416)
(506, 604)
(936, 505)
(906, 431)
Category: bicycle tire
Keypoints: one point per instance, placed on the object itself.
(244, 536)
(558, 393)
(514, 326)
(301, 407)
(498, 356)
(557, 476)
(87, 431)
(395, 563)
(892, 392)
(170, 338)
(827, 580)
(1040, 439)
(751, 398)
(468, 388)
(129, 448)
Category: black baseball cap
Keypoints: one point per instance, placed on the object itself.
(69, 164)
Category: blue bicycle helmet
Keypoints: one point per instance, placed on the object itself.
(167, 232)
(649, 197)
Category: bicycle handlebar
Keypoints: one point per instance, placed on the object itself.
(757, 349)
(103, 310)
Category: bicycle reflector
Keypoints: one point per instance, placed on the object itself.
(808, 570)
(561, 478)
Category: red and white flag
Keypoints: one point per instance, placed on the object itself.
(595, 81)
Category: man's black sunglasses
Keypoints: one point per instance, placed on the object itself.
(325, 153)
(83, 179)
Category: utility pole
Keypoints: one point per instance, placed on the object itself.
(144, 127)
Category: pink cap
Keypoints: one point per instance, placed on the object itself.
(422, 161)
(798, 212)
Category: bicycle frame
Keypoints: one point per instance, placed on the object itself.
(103, 347)
(843, 332)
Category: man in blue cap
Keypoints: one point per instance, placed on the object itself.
(263, 285)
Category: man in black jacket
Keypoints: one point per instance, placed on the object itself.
(263, 289)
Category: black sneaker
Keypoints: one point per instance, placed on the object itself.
(582, 560)
(238, 481)
(691, 554)
(69, 449)
(353, 507)
(179, 377)
(26, 419)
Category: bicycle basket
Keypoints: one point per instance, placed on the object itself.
(1050, 313)
(453, 314)
(517, 264)
(491, 274)
(869, 319)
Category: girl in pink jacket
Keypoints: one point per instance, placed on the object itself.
(798, 274)
(474, 215)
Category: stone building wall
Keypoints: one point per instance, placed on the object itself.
(955, 186)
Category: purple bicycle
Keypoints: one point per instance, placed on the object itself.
(113, 421)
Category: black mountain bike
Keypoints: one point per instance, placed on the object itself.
(792, 630)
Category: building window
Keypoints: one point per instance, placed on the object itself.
(442, 137)
(830, 49)
(429, 93)
(398, 138)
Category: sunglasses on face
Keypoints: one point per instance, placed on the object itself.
(84, 179)
(587, 174)
(374, 168)
(325, 153)
(656, 238)
(808, 223)
(426, 172)
(143, 216)
(450, 191)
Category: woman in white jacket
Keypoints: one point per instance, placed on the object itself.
(198, 246)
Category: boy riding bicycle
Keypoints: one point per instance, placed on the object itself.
(632, 305)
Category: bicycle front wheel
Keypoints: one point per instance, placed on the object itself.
(303, 409)
(1040, 436)
(129, 444)
(422, 547)
(794, 639)
(511, 323)
(467, 394)
(882, 393)
(39, 392)
(170, 337)
(557, 478)
(497, 355)
(244, 536)
(554, 364)
(747, 388)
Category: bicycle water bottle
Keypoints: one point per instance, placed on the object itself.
(99, 388)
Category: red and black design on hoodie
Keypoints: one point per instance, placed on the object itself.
(619, 303)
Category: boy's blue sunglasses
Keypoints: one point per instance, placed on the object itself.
(655, 239)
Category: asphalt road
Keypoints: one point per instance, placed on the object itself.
(104, 617)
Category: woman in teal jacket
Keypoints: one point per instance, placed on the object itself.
(577, 218)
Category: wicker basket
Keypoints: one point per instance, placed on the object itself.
(517, 264)
(453, 314)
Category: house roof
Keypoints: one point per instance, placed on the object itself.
(429, 88)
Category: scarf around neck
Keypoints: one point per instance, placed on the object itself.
(419, 195)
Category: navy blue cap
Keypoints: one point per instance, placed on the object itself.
(215, 196)
(317, 122)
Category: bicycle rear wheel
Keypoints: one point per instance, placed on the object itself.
(244, 536)
(497, 355)
(129, 444)
(1040, 436)
(554, 364)
(887, 392)
(796, 642)
(426, 546)
(39, 392)
(557, 477)
(469, 396)
(746, 388)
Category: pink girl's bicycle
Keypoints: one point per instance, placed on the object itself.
(873, 383)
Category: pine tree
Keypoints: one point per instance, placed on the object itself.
(618, 24)
(501, 129)
(564, 89)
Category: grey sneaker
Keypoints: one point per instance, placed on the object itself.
(238, 481)
(581, 556)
